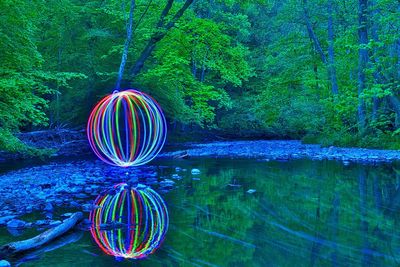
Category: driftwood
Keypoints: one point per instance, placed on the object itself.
(43, 238)
(183, 155)
(60, 242)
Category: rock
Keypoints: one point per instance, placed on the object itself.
(48, 207)
(88, 190)
(176, 176)
(16, 224)
(66, 215)
(88, 207)
(49, 215)
(81, 195)
(86, 222)
(251, 191)
(167, 183)
(195, 172)
(5, 219)
(196, 179)
(4, 263)
(151, 181)
(75, 204)
(55, 223)
(42, 222)
(178, 169)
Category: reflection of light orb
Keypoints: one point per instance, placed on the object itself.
(129, 222)
(127, 128)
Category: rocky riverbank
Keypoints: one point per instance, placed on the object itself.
(72, 143)
(67, 186)
(75, 184)
(285, 150)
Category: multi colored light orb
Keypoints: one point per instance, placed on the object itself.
(127, 128)
(129, 222)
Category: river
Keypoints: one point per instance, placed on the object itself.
(249, 212)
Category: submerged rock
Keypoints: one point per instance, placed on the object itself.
(167, 183)
(195, 172)
(48, 207)
(66, 215)
(5, 219)
(176, 176)
(55, 223)
(16, 224)
(4, 263)
(251, 191)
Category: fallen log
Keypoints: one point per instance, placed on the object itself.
(39, 240)
(64, 240)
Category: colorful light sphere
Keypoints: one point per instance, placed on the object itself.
(129, 222)
(127, 128)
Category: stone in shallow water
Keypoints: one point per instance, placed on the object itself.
(16, 224)
(5, 219)
(176, 176)
(55, 223)
(42, 222)
(66, 215)
(251, 191)
(4, 263)
(48, 207)
(195, 171)
(167, 183)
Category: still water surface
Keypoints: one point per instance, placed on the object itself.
(303, 213)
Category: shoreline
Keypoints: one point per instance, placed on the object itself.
(284, 150)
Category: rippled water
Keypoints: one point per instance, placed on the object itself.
(303, 213)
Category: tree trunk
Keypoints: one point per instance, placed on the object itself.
(362, 185)
(162, 30)
(312, 34)
(43, 238)
(126, 46)
(377, 76)
(331, 50)
(330, 61)
(395, 103)
(398, 58)
(362, 60)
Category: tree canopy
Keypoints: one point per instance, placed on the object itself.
(327, 71)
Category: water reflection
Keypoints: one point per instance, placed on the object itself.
(303, 213)
(129, 222)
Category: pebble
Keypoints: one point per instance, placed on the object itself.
(55, 223)
(66, 215)
(16, 224)
(48, 207)
(251, 191)
(42, 222)
(167, 183)
(176, 176)
(195, 171)
(4, 263)
(88, 207)
(5, 219)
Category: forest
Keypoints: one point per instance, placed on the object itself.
(199, 133)
(323, 71)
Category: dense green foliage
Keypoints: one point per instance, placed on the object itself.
(254, 69)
